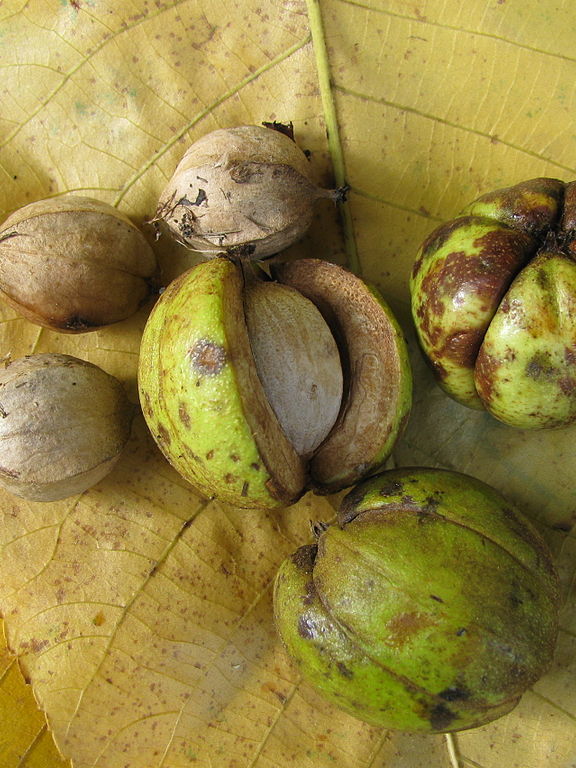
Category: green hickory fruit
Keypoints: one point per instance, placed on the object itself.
(224, 354)
(494, 304)
(430, 606)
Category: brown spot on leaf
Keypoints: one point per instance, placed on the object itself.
(99, 619)
(208, 358)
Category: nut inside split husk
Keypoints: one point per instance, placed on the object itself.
(257, 390)
(63, 425)
(431, 606)
(74, 264)
(245, 191)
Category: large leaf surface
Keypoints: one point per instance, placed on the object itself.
(139, 612)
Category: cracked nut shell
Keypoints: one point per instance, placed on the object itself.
(494, 304)
(430, 606)
(245, 191)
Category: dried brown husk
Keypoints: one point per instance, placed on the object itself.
(74, 264)
(245, 191)
(63, 425)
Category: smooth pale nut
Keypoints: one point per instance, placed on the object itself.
(297, 361)
(63, 425)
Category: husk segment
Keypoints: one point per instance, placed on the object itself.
(378, 393)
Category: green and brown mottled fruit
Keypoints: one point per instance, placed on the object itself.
(494, 304)
(74, 264)
(245, 191)
(258, 389)
(430, 606)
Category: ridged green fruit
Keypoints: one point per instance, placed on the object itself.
(494, 304)
(235, 371)
(431, 605)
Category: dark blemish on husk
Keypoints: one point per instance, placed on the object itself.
(461, 631)
(163, 435)
(304, 557)
(454, 693)
(348, 509)
(245, 486)
(392, 489)
(210, 454)
(208, 358)
(3, 412)
(305, 629)
(441, 717)
(229, 478)
(438, 599)
(308, 597)
(344, 671)
(515, 600)
(184, 415)
(539, 367)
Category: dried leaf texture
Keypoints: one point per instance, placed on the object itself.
(141, 613)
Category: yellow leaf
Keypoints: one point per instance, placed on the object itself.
(141, 613)
(24, 737)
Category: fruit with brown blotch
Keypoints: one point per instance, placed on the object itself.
(74, 264)
(494, 304)
(430, 606)
(63, 425)
(245, 191)
(258, 389)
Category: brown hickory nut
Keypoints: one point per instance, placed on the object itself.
(63, 425)
(257, 390)
(244, 191)
(74, 264)
(430, 606)
(494, 304)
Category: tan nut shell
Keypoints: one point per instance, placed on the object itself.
(245, 191)
(63, 424)
(74, 264)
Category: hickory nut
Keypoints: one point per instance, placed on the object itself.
(244, 191)
(63, 425)
(431, 605)
(494, 303)
(256, 390)
(74, 264)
